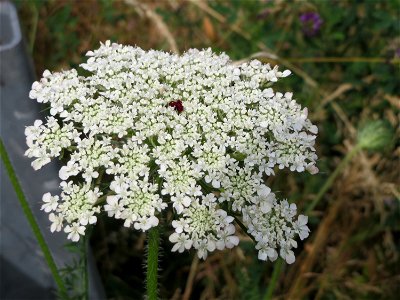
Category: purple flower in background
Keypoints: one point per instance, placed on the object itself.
(311, 23)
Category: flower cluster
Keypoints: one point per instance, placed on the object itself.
(271, 224)
(148, 130)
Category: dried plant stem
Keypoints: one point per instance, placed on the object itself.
(332, 178)
(31, 220)
(163, 29)
(296, 290)
(321, 235)
(343, 60)
(192, 273)
(152, 263)
(340, 90)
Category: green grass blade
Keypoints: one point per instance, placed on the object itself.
(31, 219)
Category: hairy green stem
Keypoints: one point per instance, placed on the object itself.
(274, 279)
(31, 220)
(328, 183)
(152, 263)
(85, 266)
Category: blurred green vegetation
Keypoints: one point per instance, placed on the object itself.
(347, 73)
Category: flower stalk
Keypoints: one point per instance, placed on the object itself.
(152, 263)
(32, 221)
(85, 266)
(274, 279)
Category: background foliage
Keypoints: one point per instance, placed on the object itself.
(347, 74)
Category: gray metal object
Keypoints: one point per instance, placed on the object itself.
(23, 271)
(10, 32)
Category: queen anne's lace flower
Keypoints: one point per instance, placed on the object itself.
(272, 226)
(147, 129)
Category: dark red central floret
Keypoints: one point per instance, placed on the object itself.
(177, 105)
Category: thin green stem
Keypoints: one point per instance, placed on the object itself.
(85, 265)
(152, 263)
(244, 228)
(102, 199)
(35, 19)
(274, 279)
(328, 183)
(31, 220)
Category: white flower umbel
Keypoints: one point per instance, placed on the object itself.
(272, 225)
(136, 202)
(204, 227)
(77, 209)
(194, 133)
(47, 141)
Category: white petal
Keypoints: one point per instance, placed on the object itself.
(46, 73)
(302, 220)
(92, 220)
(313, 129)
(188, 244)
(211, 246)
(272, 254)
(75, 237)
(290, 258)
(175, 247)
(312, 169)
(220, 245)
(67, 229)
(178, 207)
(38, 123)
(112, 200)
(186, 201)
(153, 221)
(127, 223)
(47, 208)
(304, 234)
(233, 241)
(46, 197)
(216, 184)
(263, 190)
(52, 217)
(81, 230)
(173, 238)
(63, 173)
(53, 227)
(262, 255)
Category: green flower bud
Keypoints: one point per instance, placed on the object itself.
(375, 135)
